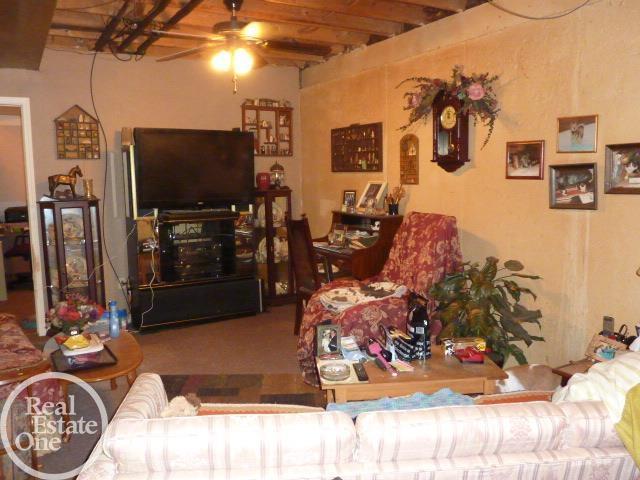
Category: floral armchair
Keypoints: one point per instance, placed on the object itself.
(424, 250)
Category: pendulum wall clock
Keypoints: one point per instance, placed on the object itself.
(450, 133)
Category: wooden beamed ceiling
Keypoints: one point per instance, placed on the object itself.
(297, 32)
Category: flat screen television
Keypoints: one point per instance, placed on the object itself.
(192, 168)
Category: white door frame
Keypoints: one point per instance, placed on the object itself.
(34, 227)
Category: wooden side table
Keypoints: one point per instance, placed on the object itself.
(429, 376)
(570, 369)
(128, 355)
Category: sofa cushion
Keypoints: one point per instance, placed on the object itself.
(222, 442)
(459, 431)
(514, 397)
(589, 426)
(253, 408)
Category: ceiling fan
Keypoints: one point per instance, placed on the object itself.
(237, 42)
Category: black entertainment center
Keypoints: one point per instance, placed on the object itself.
(186, 260)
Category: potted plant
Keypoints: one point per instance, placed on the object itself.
(485, 302)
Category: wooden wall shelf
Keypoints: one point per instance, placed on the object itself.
(272, 129)
(357, 148)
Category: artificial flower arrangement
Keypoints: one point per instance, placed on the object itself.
(71, 316)
(475, 92)
(395, 196)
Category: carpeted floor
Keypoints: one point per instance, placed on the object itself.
(247, 388)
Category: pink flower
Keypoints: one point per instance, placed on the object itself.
(475, 91)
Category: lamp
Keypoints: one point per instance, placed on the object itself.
(277, 175)
(238, 60)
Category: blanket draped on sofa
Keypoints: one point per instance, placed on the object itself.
(425, 249)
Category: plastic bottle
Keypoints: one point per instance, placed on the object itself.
(114, 321)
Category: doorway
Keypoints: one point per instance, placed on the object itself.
(21, 285)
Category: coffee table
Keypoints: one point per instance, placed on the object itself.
(429, 376)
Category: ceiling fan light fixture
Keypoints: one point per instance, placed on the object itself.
(221, 61)
(242, 61)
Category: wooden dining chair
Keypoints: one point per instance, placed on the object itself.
(304, 263)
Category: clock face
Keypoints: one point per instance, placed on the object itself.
(448, 117)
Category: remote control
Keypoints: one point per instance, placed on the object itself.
(361, 373)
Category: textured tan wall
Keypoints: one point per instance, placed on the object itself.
(178, 94)
(12, 182)
(585, 63)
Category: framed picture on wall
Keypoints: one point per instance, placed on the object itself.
(577, 134)
(573, 186)
(525, 160)
(373, 193)
(622, 168)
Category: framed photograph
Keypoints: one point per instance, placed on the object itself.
(349, 198)
(622, 168)
(603, 348)
(577, 134)
(525, 160)
(573, 186)
(376, 191)
(328, 338)
(339, 235)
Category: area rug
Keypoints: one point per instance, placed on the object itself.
(248, 388)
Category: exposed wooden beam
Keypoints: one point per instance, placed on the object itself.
(159, 6)
(173, 21)
(24, 25)
(450, 5)
(203, 22)
(382, 9)
(289, 31)
(111, 27)
(261, 10)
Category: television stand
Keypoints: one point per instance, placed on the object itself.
(192, 272)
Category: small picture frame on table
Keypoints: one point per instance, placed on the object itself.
(328, 341)
(374, 192)
(603, 348)
(622, 168)
(349, 198)
(525, 160)
(339, 235)
(573, 186)
(577, 134)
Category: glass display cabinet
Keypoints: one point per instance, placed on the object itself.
(72, 249)
(271, 208)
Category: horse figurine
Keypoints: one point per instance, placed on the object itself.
(60, 179)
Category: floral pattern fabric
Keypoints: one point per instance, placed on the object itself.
(425, 248)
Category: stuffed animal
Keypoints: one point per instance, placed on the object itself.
(180, 406)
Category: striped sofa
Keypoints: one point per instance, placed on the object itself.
(537, 440)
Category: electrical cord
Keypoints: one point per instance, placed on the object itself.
(544, 17)
(104, 185)
(153, 272)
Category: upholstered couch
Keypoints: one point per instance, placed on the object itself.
(508, 441)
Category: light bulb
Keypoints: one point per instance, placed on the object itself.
(221, 61)
(242, 61)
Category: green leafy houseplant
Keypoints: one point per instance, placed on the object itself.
(485, 302)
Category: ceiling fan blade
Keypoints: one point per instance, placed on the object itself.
(258, 30)
(184, 53)
(190, 36)
(259, 59)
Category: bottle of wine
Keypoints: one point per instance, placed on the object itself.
(418, 327)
